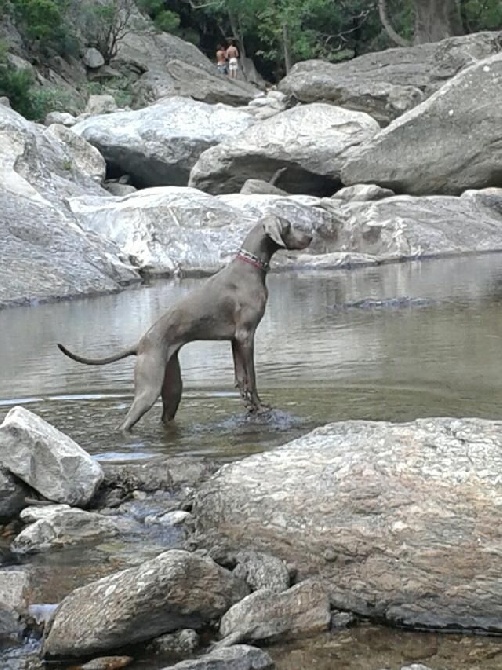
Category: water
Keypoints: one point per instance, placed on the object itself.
(314, 363)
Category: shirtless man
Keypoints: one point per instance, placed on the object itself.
(221, 60)
(232, 55)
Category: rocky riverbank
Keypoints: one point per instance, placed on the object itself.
(355, 521)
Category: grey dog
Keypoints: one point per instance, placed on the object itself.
(227, 306)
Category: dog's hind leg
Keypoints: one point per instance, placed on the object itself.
(148, 381)
(172, 389)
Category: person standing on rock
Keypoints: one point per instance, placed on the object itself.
(232, 56)
(221, 59)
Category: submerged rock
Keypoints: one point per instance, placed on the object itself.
(396, 520)
(46, 459)
(175, 590)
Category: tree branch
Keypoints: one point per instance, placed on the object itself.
(394, 36)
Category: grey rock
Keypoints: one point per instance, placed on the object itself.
(120, 190)
(362, 192)
(57, 526)
(61, 118)
(4, 101)
(158, 145)
(46, 459)
(180, 644)
(403, 227)
(303, 610)
(107, 663)
(100, 104)
(237, 657)
(169, 519)
(401, 522)
(262, 571)
(44, 253)
(85, 157)
(178, 230)
(13, 493)
(446, 145)
(178, 78)
(15, 591)
(260, 187)
(93, 58)
(174, 590)
(311, 141)
(386, 84)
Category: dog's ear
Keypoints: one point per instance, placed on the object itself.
(275, 227)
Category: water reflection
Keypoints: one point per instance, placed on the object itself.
(315, 363)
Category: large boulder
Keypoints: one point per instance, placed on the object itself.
(401, 227)
(174, 590)
(387, 83)
(46, 459)
(170, 230)
(44, 254)
(159, 145)
(397, 520)
(311, 141)
(449, 143)
(178, 78)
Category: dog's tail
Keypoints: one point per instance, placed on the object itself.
(99, 361)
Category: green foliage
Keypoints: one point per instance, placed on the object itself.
(42, 23)
(480, 15)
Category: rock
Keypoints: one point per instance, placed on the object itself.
(44, 253)
(86, 158)
(180, 79)
(175, 230)
(13, 494)
(4, 101)
(174, 590)
(401, 227)
(107, 663)
(362, 192)
(120, 190)
(449, 143)
(158, 145)
(311, 141)
(15, 588)
(267, 615)
(180, 644)
(93, 59)
(237, 657)
(100, 104)
(261, 187)
(57, 526)
(411, 523)
(388, 83)
(46, 459)
(169, 519)
(60, 118)
(262, 571)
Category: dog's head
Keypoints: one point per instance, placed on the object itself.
(284, 234)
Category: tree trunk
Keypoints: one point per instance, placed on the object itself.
(436, 19)
(394, 36)
(286, 48)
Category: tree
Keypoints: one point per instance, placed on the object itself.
(104, 24)
(436, 19)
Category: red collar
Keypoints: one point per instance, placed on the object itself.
(250, 258)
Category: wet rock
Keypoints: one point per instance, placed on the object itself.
(107, 663)
(411, 523)
(44, 253)
(302, 610)
(387, 83)
(59, 526)
(169, 519)
(13, 494)
(401, 227)
(46, 459)
(449, 143)
(237, 657)
(178, 230)
(175, 590)
(156, 152)
(311, 141)
(100, 104)
(262, 571)
(362, 192)
(179, 645)
(15, 587)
